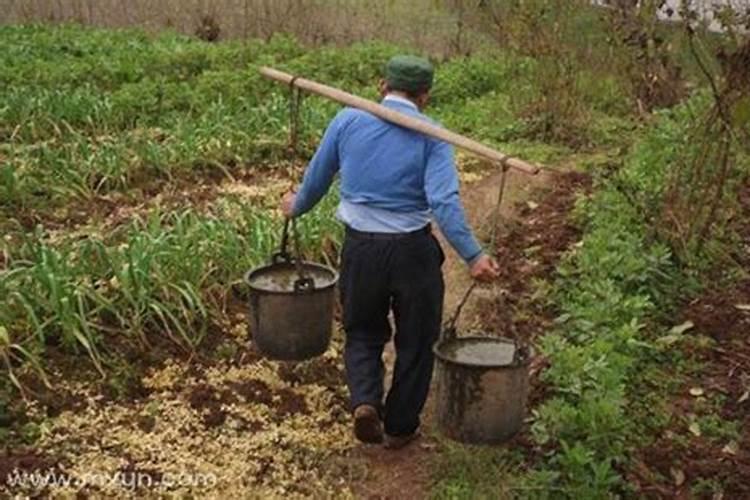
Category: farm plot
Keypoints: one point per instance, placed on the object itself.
(128, 210)
(140, 180)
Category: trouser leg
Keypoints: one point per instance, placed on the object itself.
(418, 290)
(366, 301)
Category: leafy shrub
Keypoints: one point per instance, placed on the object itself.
(606, 290)
(467, 78)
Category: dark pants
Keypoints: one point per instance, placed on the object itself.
(380, 274)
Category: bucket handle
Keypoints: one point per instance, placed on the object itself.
(303, 283)
(449, 329)
(282, 256)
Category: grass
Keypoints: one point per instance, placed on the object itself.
(473, 472)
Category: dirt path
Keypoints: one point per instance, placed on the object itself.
(407, 474)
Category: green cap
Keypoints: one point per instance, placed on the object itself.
(409, 73)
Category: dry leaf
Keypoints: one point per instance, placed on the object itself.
(675, 333)
(695, 429)
(696, 391)
(731, 448)
(680, 329)
(742, 307)
(678, 476)
(669, 339)
(745, 396)
(532, 205)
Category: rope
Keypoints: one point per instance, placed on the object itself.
(303, 282)
(295, 97)
(449, 332)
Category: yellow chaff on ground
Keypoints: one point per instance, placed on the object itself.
(262, 429)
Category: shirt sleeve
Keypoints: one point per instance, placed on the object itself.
(320, 171)
(441, 188)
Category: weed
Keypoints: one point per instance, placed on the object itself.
(472, 472)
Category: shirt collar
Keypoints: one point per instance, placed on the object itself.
(399, 99)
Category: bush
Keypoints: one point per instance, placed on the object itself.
(607, 289)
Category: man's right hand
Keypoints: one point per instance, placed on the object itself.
(485, 269)
(287, 204)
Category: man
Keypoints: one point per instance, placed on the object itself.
(393, 181)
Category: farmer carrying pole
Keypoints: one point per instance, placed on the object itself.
(393, 182)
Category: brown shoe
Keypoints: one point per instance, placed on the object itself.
(398, 442)
(367, 425)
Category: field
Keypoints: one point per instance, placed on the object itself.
(140, 178)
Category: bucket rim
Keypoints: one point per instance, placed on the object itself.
(436, 349)
(265, 267)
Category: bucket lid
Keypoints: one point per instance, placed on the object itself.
(280, 277)
(481, 352)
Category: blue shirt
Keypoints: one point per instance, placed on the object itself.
(392, 179)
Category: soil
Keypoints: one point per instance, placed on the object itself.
(205, 400)
(291, 403)
(396, 474)
(683, 463)
(528, 250)
(676, 463)
(253, 390)
(720, 313)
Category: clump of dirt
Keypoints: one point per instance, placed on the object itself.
(63, 401)
(146, 423)
(253, 390)
(721, 313)
(250, 426)
(205, 400)
(265, 468)
(321, 371)
(291, 403)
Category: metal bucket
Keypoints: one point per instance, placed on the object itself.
(291, 317)
(482, 385)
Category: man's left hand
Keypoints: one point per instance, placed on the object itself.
(287, 204)
(485, 269)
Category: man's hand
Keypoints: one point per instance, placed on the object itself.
(485, 269)
(287, 204)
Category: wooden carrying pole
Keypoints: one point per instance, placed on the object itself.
(401, 119)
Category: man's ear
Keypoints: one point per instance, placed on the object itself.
(423, 99)
(383, 87)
